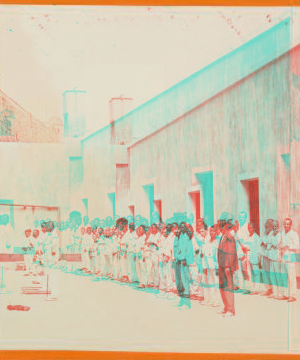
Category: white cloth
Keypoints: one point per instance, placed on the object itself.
(243, 233)
(273, 247)
(168, 246)
(209, 250)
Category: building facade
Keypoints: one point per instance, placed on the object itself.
(224, 139)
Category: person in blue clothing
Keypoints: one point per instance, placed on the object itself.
(183, 256)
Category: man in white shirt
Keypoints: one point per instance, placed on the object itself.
(265, 257)
(200, 236)
(241, 236)
(290, 246)
(152, 257)
(273, 247)
(131, 257)
(162, 244)
(140, 261)
(210, 265)
(251, 247)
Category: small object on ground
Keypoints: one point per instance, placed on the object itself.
(18, 307)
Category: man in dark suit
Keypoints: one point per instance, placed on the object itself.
(228, 263)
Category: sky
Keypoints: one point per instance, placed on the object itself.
(108, 51)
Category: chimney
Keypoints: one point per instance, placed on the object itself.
(118, 107)
(74, 113)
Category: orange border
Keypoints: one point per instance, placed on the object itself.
(91, 355)
(157, 2)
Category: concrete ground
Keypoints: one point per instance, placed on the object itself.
(106, 315)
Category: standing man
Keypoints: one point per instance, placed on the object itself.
(265, 240)
(241, 236)
(252, 248)
(290, 246)
(197, 268)
(184, 257)
(228, 264)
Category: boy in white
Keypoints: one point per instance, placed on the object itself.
(290, 245)
(210, 265)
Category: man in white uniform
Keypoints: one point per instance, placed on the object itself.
(290, 246)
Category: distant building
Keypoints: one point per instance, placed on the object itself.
(74, 113)
(18, 125)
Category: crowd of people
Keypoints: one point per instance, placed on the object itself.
(178, 258)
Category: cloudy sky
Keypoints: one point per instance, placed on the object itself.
(108, 51)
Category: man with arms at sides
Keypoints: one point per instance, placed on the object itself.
(152, 244)
(252, 248)
(241, 236)
(102, 249)
(273, 247)
(132, 277)
(196, 268)
(109, 254)
(122, 225)
(161, 266)
(290, 246)
(210, 265)
(115, 249)
(184, 257)
(140, 261)
(168, 260)
(265, 257)
(168, 257)
(228, 264)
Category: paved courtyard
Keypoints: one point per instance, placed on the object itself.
(105, 315)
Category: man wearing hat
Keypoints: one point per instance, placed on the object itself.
(228, 263)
